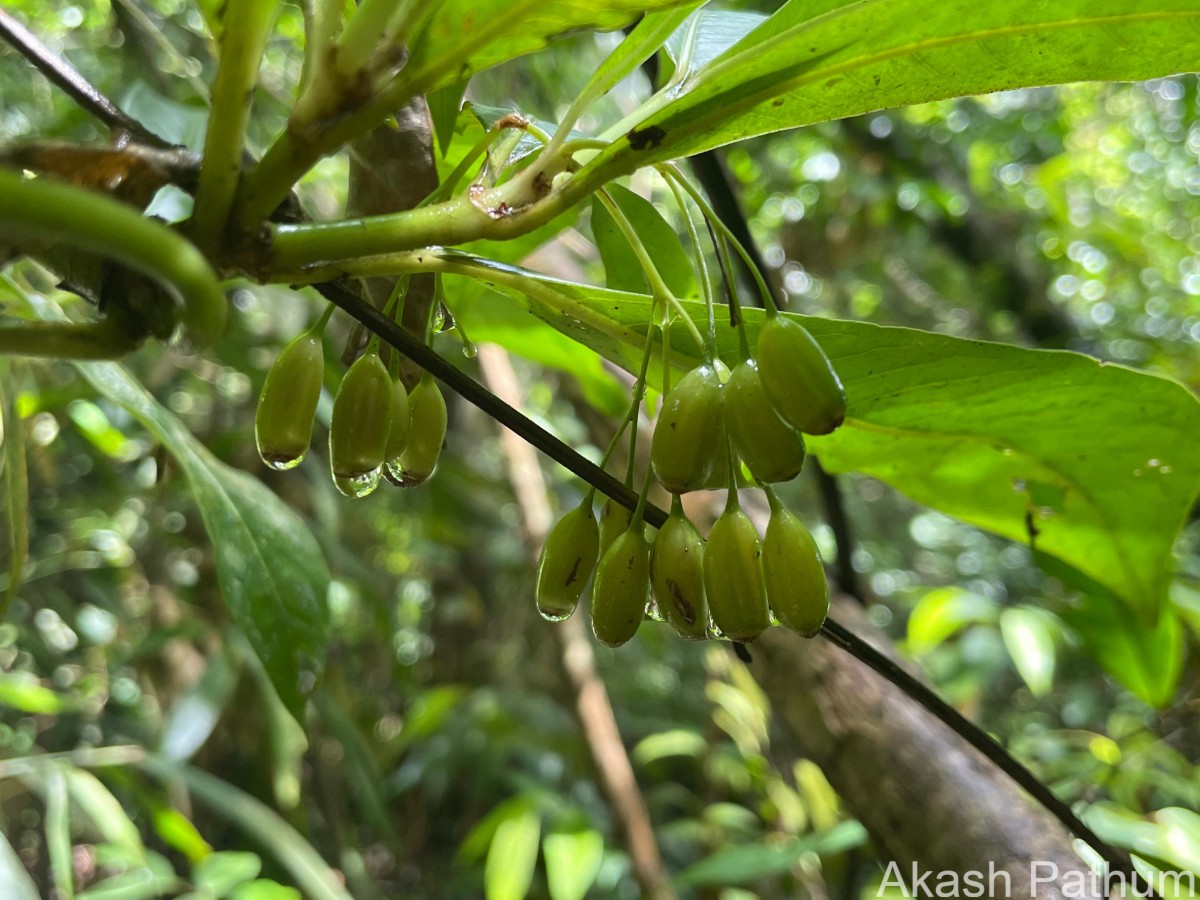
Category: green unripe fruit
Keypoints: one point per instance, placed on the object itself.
(621, 590)
(733, 581)
(568, 557)
(398, 435)
(689, 439)
(795, 579)
(426, 433)
(798, 377)
(288, 404)
(359, 428)
(677, 575)
(614, 522)
(770, 447)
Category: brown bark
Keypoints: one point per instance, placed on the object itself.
(925, 796)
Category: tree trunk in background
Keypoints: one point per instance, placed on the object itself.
(925, 796)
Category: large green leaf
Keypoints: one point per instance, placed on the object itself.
(464, 36)
(270, 568)
(1092, 463)
(817, 60)
(622, 270)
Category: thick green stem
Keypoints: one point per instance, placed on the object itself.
(322, 18)
(373, 23)
(510, 210)
(247, 25)
(43, 210)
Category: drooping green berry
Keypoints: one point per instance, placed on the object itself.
(733, 582)
(358, 431)
(621, 590)
(398, 435)
(568, 558)
(614, 522)
(288, 404)
(798, 377)
(688, 440)
(772, 450)
(426, 433)
(792, 572)
(677, 575)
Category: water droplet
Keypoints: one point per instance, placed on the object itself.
(653, 613)
(470, 351)
(396, 475)
(554, 617)
(357, 485)
(280, 463)
(439, 319)
(1153, 463)
(1165, 470)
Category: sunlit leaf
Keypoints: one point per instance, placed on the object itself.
(942, 612)
(572, 863)
(461, 37)
(221, 872)
(750, 862)
(512, 857)
(1029, 636)
(676, 742)
(58, 832)
(705, 35)
(21, 692)
(813, 62)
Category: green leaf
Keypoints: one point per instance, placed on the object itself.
(264, 889)
(140, 884)
(1147, 661)
(642, 42)
(260, 823)
(444, 105)
(14, 481)
(677, 742)
(622, 270)
(572, 862)
(106, 814)
(750, 862)
(461, 37)
(512, 857)
(703, 37)
(830, 59)
(58, 832)
(942, 612)
(222, 872)
(489, 317)
(192, 718)
(270, 568)
(1029, 636)
(14, 874)
(23, 693)
(1093, 463)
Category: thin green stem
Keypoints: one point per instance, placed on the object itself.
(446, 189)
(706, 288)
(735, 303)
(669, 171)
(318, 328)
(247, 25)
(658, 287)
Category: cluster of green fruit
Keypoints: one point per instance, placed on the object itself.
(378, 429)
(734, 584)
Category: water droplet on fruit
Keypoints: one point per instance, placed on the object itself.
(280, 463)
(357, 485)
(552, 617)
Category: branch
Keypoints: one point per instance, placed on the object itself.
(78, 88)
(838, 634)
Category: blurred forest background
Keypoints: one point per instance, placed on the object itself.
(442, 750)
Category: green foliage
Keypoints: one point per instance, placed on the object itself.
(444, 718)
